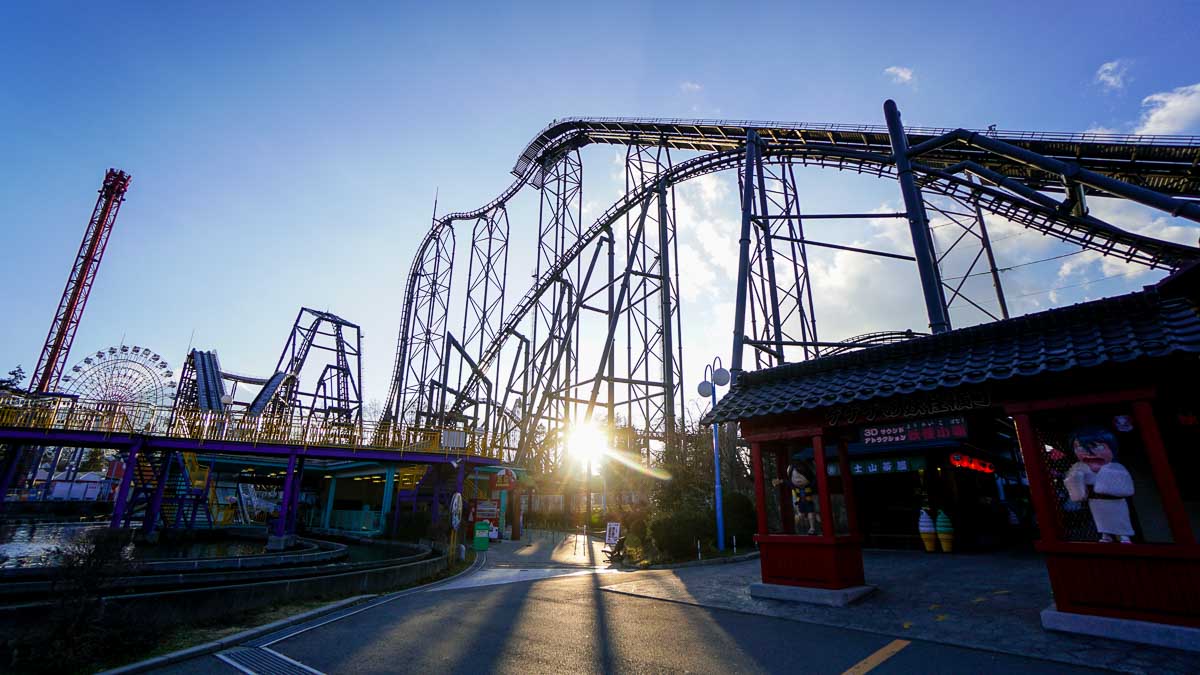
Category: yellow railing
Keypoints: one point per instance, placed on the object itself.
(117, 418)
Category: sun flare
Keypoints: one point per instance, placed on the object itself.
(588, 443)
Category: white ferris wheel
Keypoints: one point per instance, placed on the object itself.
(122, 374)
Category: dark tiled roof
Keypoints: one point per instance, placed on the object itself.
(1140, 325)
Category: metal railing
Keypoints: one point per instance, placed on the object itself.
(297, 429)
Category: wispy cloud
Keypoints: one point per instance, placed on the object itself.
(1171, 112)
(689, 87)
(1113, 75)
(900, 74)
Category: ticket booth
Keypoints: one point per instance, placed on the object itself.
(1098, 405)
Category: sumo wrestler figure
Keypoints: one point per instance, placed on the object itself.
(1102, 482)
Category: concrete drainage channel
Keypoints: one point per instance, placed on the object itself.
(252, 643)
(174, 607)
(165, 581)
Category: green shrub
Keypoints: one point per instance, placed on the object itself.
(674, 532)
(634, 522)
(740, 519)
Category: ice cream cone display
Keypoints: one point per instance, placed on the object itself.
(928, 533)
(945, 532)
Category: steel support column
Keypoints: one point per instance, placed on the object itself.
(297, 488)
(288, 485)
(654, 359)
(743, 277)
(121, 501)
(329, 502)
(14, 454)
(918, 223)
(389, 480)
(150, 522)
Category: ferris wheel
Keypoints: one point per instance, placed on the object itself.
(122, 374)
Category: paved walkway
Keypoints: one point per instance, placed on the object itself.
(545, 605)
(570, 625)
(987, 602)
(540, 548)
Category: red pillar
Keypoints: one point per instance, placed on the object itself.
(1168, 490)
(823, 488)
(784, 492)
(760, 486)
(848, 487)
(1040, 491)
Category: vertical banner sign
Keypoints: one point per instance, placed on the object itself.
(612, 534)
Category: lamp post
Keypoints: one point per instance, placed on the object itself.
(716, 376)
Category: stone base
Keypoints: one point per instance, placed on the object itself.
(1129, 630)
(277, 543)
(829, 597)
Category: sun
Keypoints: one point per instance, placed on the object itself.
(587, 442)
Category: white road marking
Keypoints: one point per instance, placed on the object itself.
(495, 577)
(233, 664)
(292, 661)
(479, 562)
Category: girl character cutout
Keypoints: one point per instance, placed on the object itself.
(1102, 482)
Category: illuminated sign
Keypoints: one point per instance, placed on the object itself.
(915, 431)
(868, 467)
(973, 463)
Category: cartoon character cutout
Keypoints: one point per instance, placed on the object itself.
(1102, 482)
(804, 510)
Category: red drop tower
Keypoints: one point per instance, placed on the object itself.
(79, 284)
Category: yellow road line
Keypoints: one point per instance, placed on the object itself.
(883, 654)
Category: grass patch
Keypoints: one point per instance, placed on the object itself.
(183, 637)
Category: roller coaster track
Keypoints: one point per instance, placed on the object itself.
(1165, 164)
(1088, 233)
(1000, 172)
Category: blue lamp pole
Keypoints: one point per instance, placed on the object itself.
(716, 376)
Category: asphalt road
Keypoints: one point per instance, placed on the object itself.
(555, 617)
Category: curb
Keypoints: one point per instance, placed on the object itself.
(231, 640)
(753, 555)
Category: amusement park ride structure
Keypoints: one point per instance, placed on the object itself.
(544, 382)
(600, 328)
(79, 284)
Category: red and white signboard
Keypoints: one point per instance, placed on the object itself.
(487, 509)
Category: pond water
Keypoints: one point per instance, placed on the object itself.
(34, 544)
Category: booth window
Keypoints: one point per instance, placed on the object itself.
(795, 485)
(1100, 474)
(1180, 427)
(837, 490)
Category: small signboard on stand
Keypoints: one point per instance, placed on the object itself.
(612, 534)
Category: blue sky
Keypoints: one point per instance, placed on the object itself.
(289, 156)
